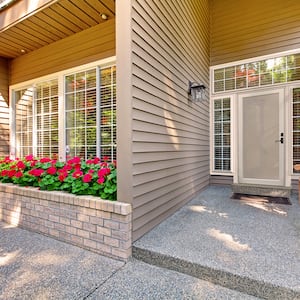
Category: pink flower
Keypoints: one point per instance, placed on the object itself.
(4, 173)
(105, 158)
(29, 157)
(77, 174)
(11, 173)
(51, 171)
(101, 180)
(74, 160)
(45, 159)
(7, 159)
(62, 176)
(19, 174)
(103, 172)
(33, 163)
(87, 178)
(21, 165)
(36, 172)
(96, 160)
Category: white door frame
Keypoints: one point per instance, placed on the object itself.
(282, 126)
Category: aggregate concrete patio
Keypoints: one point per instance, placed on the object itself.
(33, 266)
(249, 246)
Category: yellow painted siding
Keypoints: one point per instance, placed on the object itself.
(86, 46)
(170, 135)
(243, 29)
(4, 114)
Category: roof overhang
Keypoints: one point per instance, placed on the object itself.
(28, 25)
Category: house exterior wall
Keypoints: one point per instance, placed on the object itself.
(221, 180)
(4, 112)
(92, 44)
(240, 29)
(170, 134)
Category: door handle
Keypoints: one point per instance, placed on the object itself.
(280, 141)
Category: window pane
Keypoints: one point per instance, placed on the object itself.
(222, 137)
(81, 120)
(296, 127)
(47, 119)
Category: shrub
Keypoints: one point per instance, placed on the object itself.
(94, 177)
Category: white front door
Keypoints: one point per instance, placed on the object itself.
(261, 138)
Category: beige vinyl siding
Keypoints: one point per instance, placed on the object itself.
(84, 47)
(4, 113)
(243, 29)
(170, 135)
(221, 180)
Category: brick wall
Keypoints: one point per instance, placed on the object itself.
(89, 222)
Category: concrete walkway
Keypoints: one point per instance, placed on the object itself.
(213, 248)
(252, 247)
(33, 266)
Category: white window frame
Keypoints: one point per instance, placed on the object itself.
(212, 132)
(61, 110)
(250, 60)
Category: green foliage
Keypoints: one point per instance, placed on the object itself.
(92, 177)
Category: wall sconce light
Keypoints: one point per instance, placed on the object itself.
(196, 91)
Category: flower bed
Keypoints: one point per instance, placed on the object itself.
(83, 219)
(92, 177)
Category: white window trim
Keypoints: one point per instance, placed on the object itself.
(212, 144)
(53, 76)
(290, 129)
(245, 61)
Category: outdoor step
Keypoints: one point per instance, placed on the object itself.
(243, 284)
(261, 190)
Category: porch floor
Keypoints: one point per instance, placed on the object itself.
(252, 247)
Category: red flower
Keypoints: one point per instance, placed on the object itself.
(36, 172)
(101, 180)
(91, 171)
(21, 165)
(7, 159)
(103, 172)
(4, 173)
(33, 163)
(45, 159)
(77, 167)
(62, 176)
(77, 174)
(105, 158)
(51, 170)
(96, 160)
(74, 160)
(29, 157)
(87, 178)
(19, 174)
(11, 173)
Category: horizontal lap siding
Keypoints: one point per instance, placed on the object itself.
(170, 134)
(84, 47)
(243, 29)
(4, 113)
(221, 180)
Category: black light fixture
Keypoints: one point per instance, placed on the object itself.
(196, 91)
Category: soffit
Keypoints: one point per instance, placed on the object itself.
(57, 21)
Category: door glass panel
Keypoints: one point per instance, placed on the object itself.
(260, 132)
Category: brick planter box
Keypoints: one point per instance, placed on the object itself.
(89, 222)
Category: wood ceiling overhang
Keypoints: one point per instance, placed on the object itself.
(56, 21)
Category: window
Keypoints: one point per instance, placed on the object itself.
(46, 119)
(296, 126)
(24, 121)
(86, 100)
(222, 134)
(258, 73)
